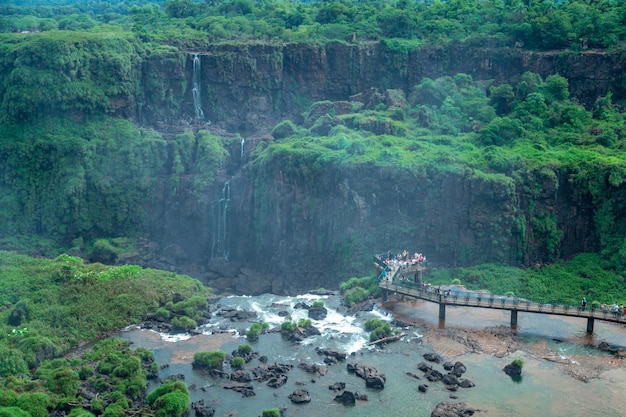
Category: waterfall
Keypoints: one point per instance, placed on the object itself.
(243, 141)
(197, 99)
(219, 216)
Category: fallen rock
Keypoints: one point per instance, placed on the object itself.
(300, 396)
(452, 409)
(346, 398)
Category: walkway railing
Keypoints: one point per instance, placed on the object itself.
(484, 300)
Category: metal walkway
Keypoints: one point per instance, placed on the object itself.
(498, 302)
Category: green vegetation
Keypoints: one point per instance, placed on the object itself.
(237, 362)
(209, 360)
(317, 304)
(519, 362)
(290, 326)
(255, 330)
(356, 290)
(378, 329)
(271, 412)
(50, 306)
(564, 282)
(169, 400)
(244, 349)
(403, 26)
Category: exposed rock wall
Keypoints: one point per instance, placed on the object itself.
(251, 87)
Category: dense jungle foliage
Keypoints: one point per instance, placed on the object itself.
(49, 308)
(542, 25)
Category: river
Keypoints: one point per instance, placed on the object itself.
(564, 374)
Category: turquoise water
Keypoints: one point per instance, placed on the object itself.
(545, 389)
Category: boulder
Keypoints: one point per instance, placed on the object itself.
(337, 386)
(375, 381)
(318, 313)
(346, 398)
(422, 388)
(452, 409)
(513, 369)
(201, 409)
(450, 379)
(433, 357)
(300, 396)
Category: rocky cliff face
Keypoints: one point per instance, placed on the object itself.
(285, 227)
(250, 87)
(295, 229)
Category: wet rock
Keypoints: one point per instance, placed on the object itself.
(360, 397)
(318, 313)
(201, 409)
(433, 357)
(375, 381)
(340, 356)
(460, 367)
(277, 381)
(246, 390)
(450, 379)
(424, 367)
(337, 386)
(301, 306)
(240, 376)
(300, 396)
(422, 388)
(466, 383)
(452, 409)
(513, 369)
(346, 398)
(448, 366)
(433, 375)
(235, 314)
(314, 368)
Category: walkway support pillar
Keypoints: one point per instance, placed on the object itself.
(513, 318)
(385, 295)
(590, 321)
(442, 311)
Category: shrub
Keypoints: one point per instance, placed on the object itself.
(244, 349)
(7, 397)
(271, 412)
(97, 405)
(381, 332)
(254, 331)
(237, 362)
(170, 399)
(114, 410)
(288, 325)
(318, 304)
(35, 403)
(518, 362)
(163, 313)
(378, 328)
(208, 360)
(79, 412)
(284, 129)
(456, 281)
(11, 362)
(13, 412)
(184, 322)
(371, 324)
(305, 323)
(509, 294)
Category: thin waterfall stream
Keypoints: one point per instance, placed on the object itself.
(220, 246)
(197, 97)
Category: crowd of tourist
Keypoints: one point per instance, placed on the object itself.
(400, 260)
